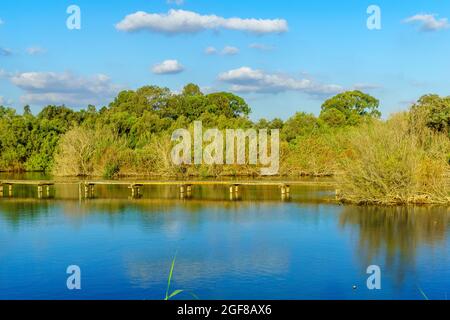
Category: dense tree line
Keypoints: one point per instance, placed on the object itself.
(132, 131)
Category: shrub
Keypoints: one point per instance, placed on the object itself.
(394, 163)
(75, 153)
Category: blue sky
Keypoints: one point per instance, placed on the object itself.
(299, 53)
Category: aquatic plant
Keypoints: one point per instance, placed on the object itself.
(423, 293)
(169, 280)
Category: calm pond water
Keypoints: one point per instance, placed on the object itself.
(258, 247)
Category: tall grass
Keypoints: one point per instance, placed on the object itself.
(395, 162)
(169, 280)
(398, 161)
(316, 154)
(170, 295)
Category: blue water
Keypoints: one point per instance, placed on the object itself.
(266, 249)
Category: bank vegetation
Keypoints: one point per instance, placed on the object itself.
(401, 159)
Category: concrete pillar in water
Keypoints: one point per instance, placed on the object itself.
(138, 191)
(189, 190)
(234, 192)
(185, 191)
(39, 191)
(88, 190)
(135, 190)
(285, 192)
(182, 191)
(1, 190)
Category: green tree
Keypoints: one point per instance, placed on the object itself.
(333, 117)
(192, 89)
(300, 124)
(227, 104)
(27, 111)
(353, 105)
(435, 110)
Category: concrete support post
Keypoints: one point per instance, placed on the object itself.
(285, 192)
(88, 190)
(234, 192)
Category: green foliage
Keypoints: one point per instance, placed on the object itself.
(29, 142)
(191, 90)
(392, 163)
(169, 280)
(131, 137)
(111, 170)
(436, 111)
(300, 124)
(351, 106)
(334, 117)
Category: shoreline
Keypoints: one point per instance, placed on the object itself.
(186, 186)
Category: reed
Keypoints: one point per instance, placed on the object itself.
(169, 280)
(394, 162)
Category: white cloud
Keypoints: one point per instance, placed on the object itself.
(4, 102)
(64, 88)
(182, 21)
(249, 80)
(168, 67)
(35, 50)
(366, 86)
(261, 47)
(210, 50)
(226, 51)
(428, 22)
(4, 74)
(1, 22)
(5, 52)
(230, 51)
(177, 2)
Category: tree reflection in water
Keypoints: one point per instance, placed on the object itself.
(392, 236)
